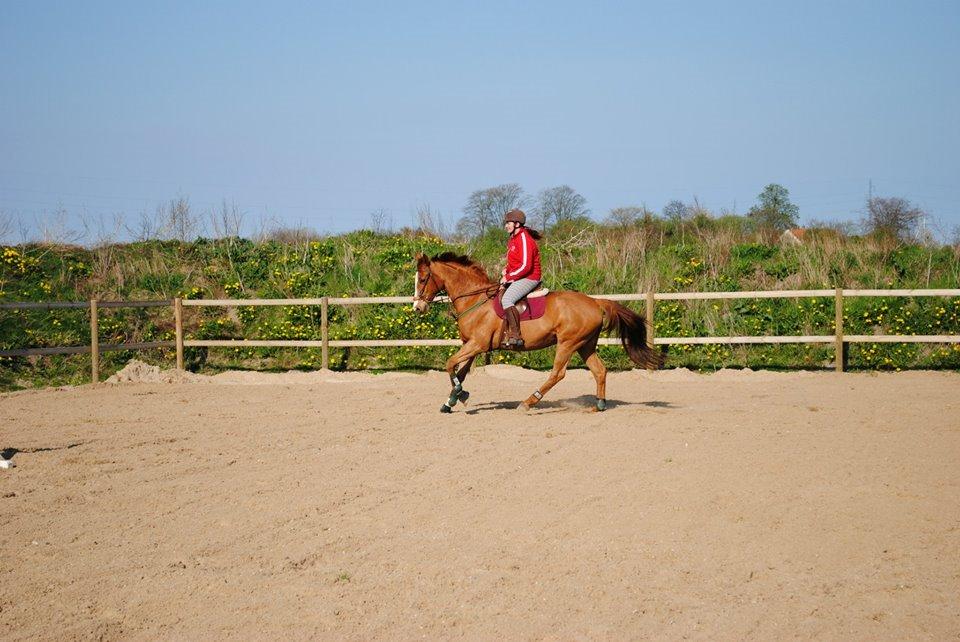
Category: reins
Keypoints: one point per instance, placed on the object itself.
(486, 290)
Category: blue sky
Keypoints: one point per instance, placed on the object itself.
(318, 114)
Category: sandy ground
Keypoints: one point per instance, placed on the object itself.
(737, 505)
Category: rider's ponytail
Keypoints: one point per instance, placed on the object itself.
(535, 234)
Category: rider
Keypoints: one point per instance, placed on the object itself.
(522, 274)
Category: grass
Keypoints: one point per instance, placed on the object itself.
(714, 255)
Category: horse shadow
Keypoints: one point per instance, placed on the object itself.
(583, 403)
(8, 453)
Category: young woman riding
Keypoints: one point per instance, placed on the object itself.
(522, 274)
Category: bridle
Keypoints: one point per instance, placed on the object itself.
(421, 285)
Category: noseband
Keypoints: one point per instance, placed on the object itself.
(422, 286)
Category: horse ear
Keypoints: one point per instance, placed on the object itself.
(422, 259)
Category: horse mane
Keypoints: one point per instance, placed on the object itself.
(463, 260)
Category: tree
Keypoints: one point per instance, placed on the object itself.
(175, 221)
(698, 213)
(180, 220)
(486, 208)
(892, 218)
(774, 209)
(430, 220)
(627, 215)
(228, 222)
(676, 212)
(6, 224)
(55, 228)
(559, 204)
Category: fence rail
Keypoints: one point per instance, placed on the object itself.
(106, 347)
(839, 339)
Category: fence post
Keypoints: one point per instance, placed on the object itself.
(94, 342)
(324, 335)
(178, 321)
(651, 304)
(839, 346)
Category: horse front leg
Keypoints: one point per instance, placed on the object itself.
(464, 355)
(457, 393)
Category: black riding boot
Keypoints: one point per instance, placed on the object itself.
(513, 340)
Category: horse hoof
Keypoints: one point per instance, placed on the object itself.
(523, 407)
(445, 409)
(601, 405)
(463, 396)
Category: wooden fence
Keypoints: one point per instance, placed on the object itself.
(840, 340)
(95, 347)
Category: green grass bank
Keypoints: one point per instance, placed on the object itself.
(716, 255)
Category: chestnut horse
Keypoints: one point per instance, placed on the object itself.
(572, 320)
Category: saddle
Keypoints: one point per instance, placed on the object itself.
(530, 307)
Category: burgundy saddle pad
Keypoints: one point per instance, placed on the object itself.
(534, 307)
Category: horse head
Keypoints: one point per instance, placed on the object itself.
(426, 284)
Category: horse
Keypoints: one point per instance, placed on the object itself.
(571, 320)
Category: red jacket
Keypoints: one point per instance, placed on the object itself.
(523, 257)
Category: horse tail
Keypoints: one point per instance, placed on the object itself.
(632, 330)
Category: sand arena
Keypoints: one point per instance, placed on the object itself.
(738, 505)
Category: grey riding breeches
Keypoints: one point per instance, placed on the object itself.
(517, 290)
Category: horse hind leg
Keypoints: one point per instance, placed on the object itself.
(599, 371)
(560, 363)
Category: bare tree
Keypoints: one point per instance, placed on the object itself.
(429, 220)
(698, 211)
(700, 217)
(293, 235)
(264, 223)
(558, 204)
(837, 227)
(381, 221)
(54, 229)
(6, 225)
(627, 215)
(148, 226)
(228, 221)
(23, 230)
(892, 218)
(97, 232)
(181, 222)
(175, 220)
(676, 212)
(486, 208)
